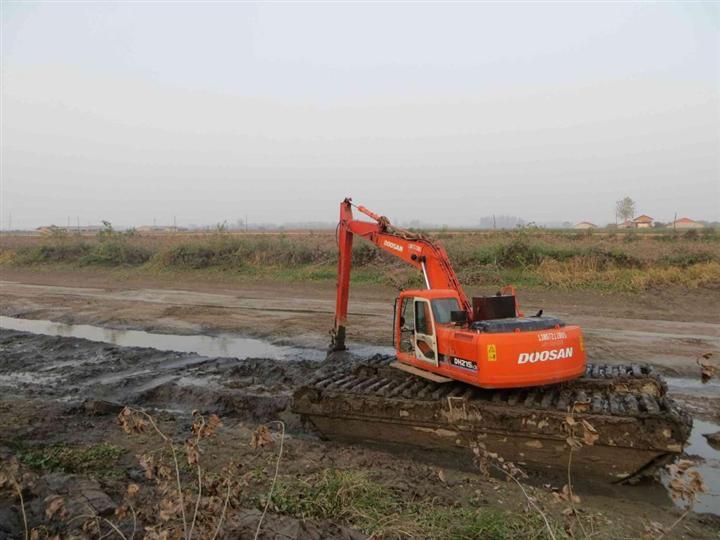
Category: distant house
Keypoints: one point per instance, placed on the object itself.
(642, 222)
(50, 229)
(159, 229)
(686, 223)
(585, 225)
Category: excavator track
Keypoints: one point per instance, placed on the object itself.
(639, 428)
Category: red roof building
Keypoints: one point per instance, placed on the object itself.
(686, 223)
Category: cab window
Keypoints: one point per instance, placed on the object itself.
(406, 313)
(407, 325)
(442, 307)
(423, 320)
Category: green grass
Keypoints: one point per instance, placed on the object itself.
(98, 460)
(354, 499)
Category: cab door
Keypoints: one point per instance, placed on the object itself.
(424, 338)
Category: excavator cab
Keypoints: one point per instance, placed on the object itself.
(418, 314)
(492, 347)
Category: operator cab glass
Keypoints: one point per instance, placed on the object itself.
(442, 308)
(407, 325)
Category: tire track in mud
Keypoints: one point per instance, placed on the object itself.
(73, 370)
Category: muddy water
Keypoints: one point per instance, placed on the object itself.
(693, 386)
(211, 346)
(708, 466)
(706, 457)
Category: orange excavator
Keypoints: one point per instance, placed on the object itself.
(478, 374)
(440, 335)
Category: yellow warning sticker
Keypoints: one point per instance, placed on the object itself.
(582, 345)
(491, 353)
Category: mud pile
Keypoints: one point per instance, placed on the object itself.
(73, 370)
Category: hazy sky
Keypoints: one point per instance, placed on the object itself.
(439, 112)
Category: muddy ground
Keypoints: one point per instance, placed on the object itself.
(45, 383)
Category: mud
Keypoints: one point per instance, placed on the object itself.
(72, 370)
(713, 439)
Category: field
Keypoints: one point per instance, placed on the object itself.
(609, 261)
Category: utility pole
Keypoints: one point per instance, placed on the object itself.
(494, 226)
(246, 223)
(675, 222)
(78, 224)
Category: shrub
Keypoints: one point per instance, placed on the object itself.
(612, 258)
(685, 259)
(228, 252)
(116, 253)
(61, 252)
(364, 253)
(192, 255)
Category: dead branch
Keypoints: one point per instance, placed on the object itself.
(96, 517)
(677, 521)
(169, 442)
(272, 486)
(199, 432)
(529, 499)
(22, 509)
(224, 510)
(572, 439)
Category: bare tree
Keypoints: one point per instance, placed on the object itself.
(625, 209)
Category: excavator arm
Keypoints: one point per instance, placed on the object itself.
(415, 249)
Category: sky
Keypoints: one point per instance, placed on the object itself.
(142, 112)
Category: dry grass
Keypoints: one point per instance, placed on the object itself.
(614, 261)
(582, 272)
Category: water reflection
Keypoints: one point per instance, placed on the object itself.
(220, 345)
(709, 468)
(693, 386)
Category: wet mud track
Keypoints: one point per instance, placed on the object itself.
(73, 370)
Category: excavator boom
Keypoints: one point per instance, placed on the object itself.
(415, 249)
